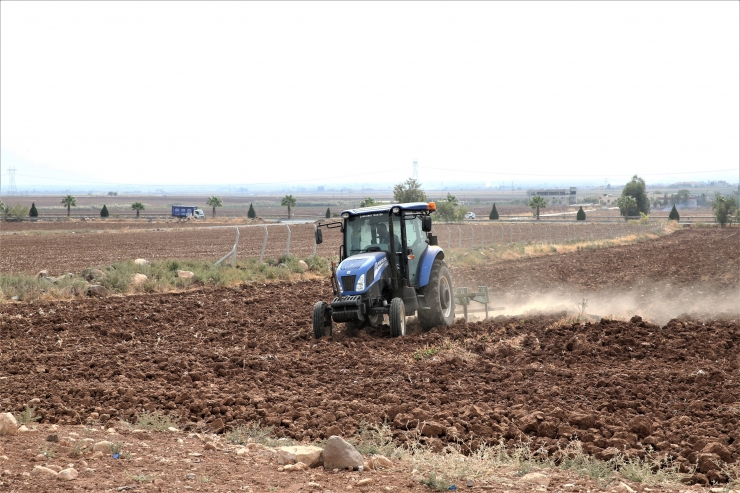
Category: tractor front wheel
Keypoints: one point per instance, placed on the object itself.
(440, 297)
(397, 318)
(321, 320)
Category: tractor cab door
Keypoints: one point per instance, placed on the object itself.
(416, 244)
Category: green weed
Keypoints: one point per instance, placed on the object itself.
(155, 421)
(254, 433)
(27, 416)
(426, 352)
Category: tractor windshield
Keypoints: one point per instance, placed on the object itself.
(362, 232)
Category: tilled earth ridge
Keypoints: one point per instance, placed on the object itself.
(223, 357)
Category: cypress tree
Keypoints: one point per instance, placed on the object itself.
(251, 214)
(104, 211)
(581, 214)
(674, 214)
(493, 216)
(328, 213)
(33, 212)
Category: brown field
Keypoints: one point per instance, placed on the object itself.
(613, 381)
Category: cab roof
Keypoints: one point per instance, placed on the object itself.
(411, 206)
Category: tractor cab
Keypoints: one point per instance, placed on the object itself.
(388, 258)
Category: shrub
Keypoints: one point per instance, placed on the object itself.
(251, 214)
(493, 216)
(328, 213)
(104, 211)
(581, 214)
(674, 216)
(33, 212)
(724, 209)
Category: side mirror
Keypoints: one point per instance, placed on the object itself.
(426, 223)
(319, 237)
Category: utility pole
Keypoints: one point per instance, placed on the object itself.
(11, 188)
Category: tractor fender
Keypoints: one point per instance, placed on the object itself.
(431, 253)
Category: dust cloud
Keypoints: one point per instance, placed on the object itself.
(655, 304)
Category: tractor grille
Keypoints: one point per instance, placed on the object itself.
(348, 283)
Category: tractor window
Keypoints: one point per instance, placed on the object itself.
(362, 232)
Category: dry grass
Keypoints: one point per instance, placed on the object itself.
(476, 256)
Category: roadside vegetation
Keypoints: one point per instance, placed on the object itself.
(161, 276)
(458, 463)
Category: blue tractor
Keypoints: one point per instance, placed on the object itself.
(390, 264)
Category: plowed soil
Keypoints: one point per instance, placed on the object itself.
(236, 355)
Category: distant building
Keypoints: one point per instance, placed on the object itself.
(556, 196)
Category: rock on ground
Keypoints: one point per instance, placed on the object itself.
(8, 424)
(536, 478)
(142, 261)
(338, 454)
(309, 455)
(185, 274)
(138, 279)
(104, 447)
(43, 471)
(68, 474)
(96, 290)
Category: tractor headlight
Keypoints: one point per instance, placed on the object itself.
(345, 215)
(360, 286)
(339, 283)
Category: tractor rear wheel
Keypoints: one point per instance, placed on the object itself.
(321, 320)
(397, 318)
(440, 298)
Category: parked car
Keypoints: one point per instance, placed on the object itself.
(470, 215)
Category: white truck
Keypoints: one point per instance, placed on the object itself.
(187, 211)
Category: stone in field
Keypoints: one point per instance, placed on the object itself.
(104, 447)
(142, 261)
(42, 273)
(43, 471)
(298, 466)
(96, 290)
(304, 265)
(55, 468)
(185, 274)
(536, 478)
(138, 279)
(309, 455)
(8, 424)
(338, 454)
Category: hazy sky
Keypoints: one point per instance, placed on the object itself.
(97, 93)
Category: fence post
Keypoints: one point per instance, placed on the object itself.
(449, 237)
(315, 227)
(287, 250)
(264, 243)
(459, 237)
(472, 237)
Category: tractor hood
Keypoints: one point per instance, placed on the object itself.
(362, 269)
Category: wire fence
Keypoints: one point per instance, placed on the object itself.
(269, 241)
(481, 236)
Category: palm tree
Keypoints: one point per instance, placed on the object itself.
(70, 202)
(137, 206)
(214, 202)
(627, 206)
(538, 202)
(288, 201)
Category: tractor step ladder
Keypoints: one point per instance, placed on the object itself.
(464, 297)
